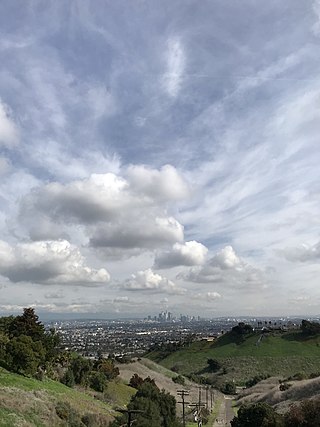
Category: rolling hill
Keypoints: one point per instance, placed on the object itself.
(280, 354)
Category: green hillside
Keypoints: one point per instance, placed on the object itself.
(276, 354)
(29, 402)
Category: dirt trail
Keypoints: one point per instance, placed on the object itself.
(225, 414)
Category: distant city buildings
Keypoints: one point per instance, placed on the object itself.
(166, 316)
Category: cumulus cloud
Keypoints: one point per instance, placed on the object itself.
(165, 184)
(9, 134)
(226, 267)
(304, 253)
(188, 254)
(115, 212)
(48, 262)
(142, 232)
(147, 280)
(211, 296)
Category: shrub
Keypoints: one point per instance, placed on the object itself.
(98, 381)
(255, 380)
(179, 380)
(213, 365)
(257, 415)
(307, 414)
(65, 411)
(68, 378)
(229, 388)
(284, 386)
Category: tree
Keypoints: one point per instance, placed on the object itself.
(242, 329)
(229, 388)
(257, 415)
(81, 368)
(306, 414)
(98, 381)
(107, 367)
(213, 365)
(27, 324)
(158, 408)
(24, 355)
(135, 381)
(310, 328)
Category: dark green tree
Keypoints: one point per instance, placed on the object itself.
(27, 324)
(81, 369)
(25, 355)
(310, 328)
(97, 381)
(257, 415)
(158, 408)
(213, 365)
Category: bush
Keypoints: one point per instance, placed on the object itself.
(257, 415)
(135, 381)
(284, 386)
(213, 365)
(68, 414)
(229, 388)
(179, 380)
(98, 381)
(68, 378)
(255, 380)
(306, 414)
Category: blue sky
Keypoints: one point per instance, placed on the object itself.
(160, 155)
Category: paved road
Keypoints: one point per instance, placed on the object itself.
(225, 414)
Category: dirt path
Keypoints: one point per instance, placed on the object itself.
(225, 414)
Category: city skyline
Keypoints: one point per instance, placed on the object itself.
(160, 156)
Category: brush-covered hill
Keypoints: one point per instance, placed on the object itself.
(243, 356)
(27, 402)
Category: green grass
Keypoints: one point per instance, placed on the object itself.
(29, 402)
(119, 393)
(277, 354)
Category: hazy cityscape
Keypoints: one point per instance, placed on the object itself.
(135, 337)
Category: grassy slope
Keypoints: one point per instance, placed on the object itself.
(275, 355)
(28, 402)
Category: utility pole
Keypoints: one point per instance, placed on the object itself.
(129, 412)
(211, 398)
(207, 395)
(199, 397)
(183, 393)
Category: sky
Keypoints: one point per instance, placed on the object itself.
(160, 155)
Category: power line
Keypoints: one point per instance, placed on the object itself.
(183, 393)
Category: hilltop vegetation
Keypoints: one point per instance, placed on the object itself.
(242, 356)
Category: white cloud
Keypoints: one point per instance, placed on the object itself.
(175, 61)
(48, 262)
(165, 184)
(147, 280)
(188, 253)
(114, 212)
(228, 269)
(227, 259)
(9, 135)
(211, 296)
(304, 253)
